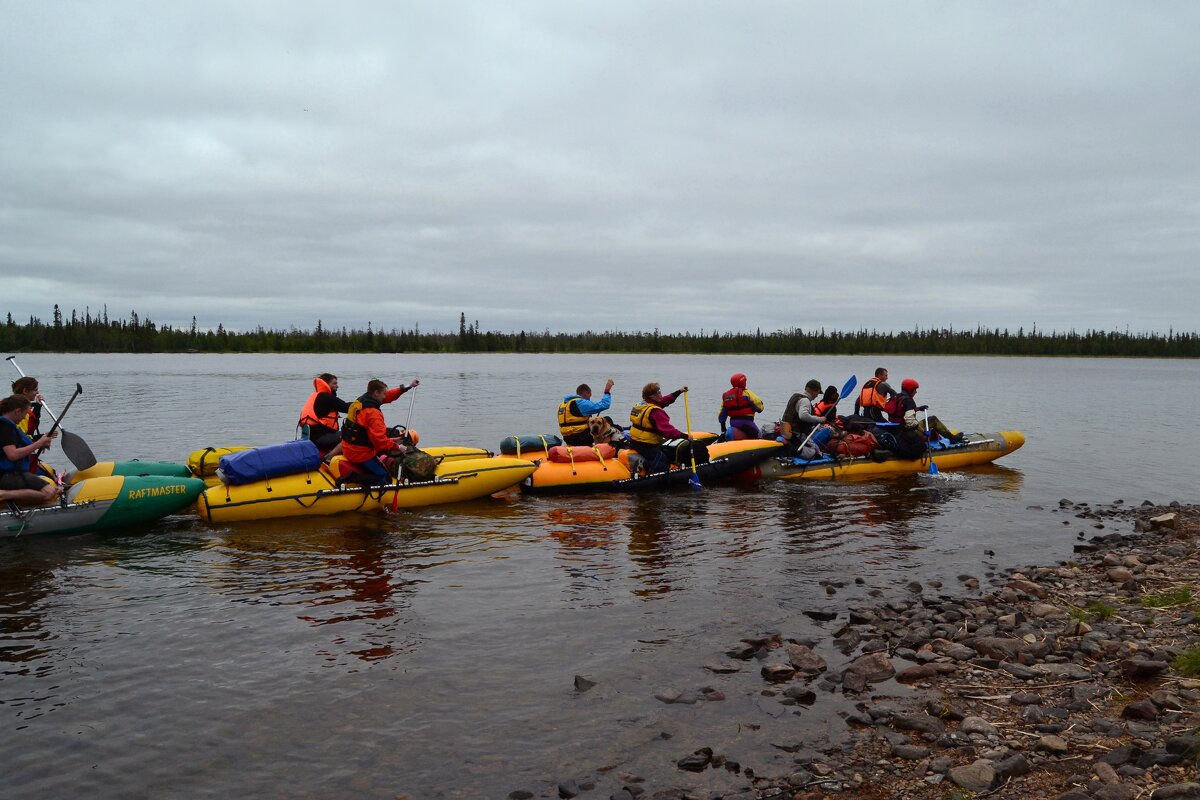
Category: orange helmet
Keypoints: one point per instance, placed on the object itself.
(909, 385)
(412, 436)
(738, 380)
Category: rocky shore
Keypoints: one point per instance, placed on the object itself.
(1078, 681)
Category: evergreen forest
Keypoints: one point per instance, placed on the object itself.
(138, 334)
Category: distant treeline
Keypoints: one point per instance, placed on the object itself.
(102, 334)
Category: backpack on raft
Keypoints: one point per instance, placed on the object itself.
(417, 465)
(204, 462)
(681, 451)
(910, 443)
(853, 445)
(565, 454)
(261, 463)
(515, 445)
(892, 407)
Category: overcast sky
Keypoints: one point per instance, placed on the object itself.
(603, 165)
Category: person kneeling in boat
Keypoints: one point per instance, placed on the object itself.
(17, 451)
(574, 410)
(319, 419)
(654, 437)
(903, 409)
(364, 434)
(738, 407)
(800, 419)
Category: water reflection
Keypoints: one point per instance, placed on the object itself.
(25, 584)
(345, 577)
(587, 534)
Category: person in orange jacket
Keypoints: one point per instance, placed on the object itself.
(319, 419)
(364, 433)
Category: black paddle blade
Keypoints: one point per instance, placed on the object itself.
(77, 451)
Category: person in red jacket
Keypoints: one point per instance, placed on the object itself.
(364, 434)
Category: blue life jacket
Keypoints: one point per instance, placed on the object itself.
(22, 465)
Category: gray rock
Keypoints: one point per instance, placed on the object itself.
(800, 777)
(1012, 767)
(853, 683)
(1158, 757)
(697, 761)
(1053, 744)
(1025, 699)
(804, 659)
(921, 672)
(568, 789)
(1105, 772)
(1143, 709)
(582, 684)
(872, 667)
(1000, 648)
(910, 752)
(975, 777)
(1019, 671)
(1177, 791)
(778, 672)
(722, 667)
(977, 725)
(801, 694)
(919, 722)
(1140, 669)
(1121, 754)
(668, 695)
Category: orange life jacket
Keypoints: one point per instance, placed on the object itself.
(870, 396)
(821, 408)
(309, 415)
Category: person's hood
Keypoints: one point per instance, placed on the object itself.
(571, 397)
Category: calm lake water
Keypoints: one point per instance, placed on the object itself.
(433, 654)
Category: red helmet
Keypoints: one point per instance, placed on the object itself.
(909, 385)
(738, 380)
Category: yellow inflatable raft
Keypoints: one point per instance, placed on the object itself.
(978, 448)
(591, 472)
(318, 492)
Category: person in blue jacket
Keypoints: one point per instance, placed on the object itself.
(574, 410)
(17, 451)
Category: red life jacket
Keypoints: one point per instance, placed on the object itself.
(309, 415)
(822, 408)
(895, 407)
(737, 404)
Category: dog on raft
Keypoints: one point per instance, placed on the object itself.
(605, 431)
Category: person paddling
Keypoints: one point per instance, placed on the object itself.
(903, 409)
(652, 427)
